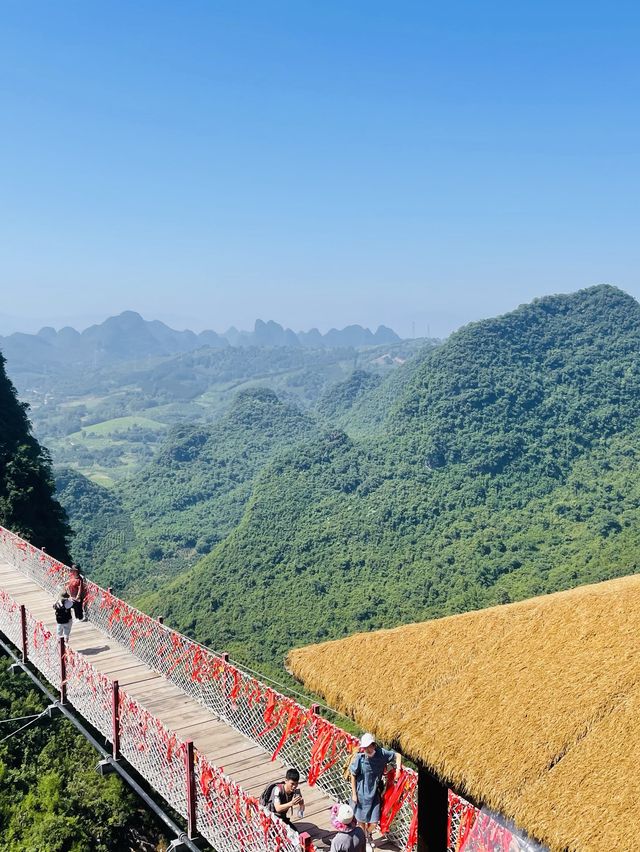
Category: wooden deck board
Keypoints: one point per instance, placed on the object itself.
(243, 760)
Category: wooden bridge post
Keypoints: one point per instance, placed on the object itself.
(23, 631)
(115, 719)
(63, 670)
(191, 791)
(433, 813)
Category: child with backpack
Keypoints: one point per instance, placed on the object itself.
(62, 609)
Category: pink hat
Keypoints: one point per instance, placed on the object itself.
(341, 816)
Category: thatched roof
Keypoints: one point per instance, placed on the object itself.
(531, 708)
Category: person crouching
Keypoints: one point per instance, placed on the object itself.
(286, 796)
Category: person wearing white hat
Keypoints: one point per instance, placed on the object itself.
(367, 769)
(349, 837)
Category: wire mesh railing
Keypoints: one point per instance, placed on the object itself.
(462, 816)
(156, 753)
(89, 691)
(277, 723)
(219, 800)
(199, 791)
(10, 621)
(43, 649)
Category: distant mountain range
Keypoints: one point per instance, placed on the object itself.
(129, 336)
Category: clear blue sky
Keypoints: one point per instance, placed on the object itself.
(318, 163)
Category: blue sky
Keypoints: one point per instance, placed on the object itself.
(318, 163)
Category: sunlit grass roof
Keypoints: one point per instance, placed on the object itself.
(532, 708)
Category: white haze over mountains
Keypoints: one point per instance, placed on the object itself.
(128, 336)
(14, 323)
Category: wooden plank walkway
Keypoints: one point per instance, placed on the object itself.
(243, 760)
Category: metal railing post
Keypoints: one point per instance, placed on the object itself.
(23, 632)
(115, 719)
(191, 790)
(63, 670)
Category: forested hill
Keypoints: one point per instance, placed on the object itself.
(505, 469)
(27, 504)
(190, 497)
(530, 390)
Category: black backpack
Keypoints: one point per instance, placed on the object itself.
(63, 615)
(265, 796)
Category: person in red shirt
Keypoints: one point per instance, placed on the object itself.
(75, 587)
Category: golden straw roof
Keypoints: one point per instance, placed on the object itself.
(532, 708)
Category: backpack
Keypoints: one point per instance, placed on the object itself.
(63, 615)
(265, 796)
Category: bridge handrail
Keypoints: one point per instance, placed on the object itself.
(230, 819)
(277, 723)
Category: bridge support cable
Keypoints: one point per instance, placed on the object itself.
(181, 838)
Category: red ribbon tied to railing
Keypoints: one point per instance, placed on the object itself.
(329, 746)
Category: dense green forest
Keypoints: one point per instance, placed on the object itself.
(27, 503)
(190, 497)
(504, 469)
(51, 797)
(496, 466)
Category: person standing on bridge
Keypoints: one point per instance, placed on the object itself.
(367, 769)
(75, 587)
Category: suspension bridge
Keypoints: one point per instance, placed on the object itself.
(206, 735)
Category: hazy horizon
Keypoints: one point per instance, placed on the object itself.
(439, 326)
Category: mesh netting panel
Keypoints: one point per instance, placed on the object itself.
(43, 569)
(157, 754)
(281, 726)
(300, 737)
(230, 819)
(43, 649)
(10, 619)
(491, 833)
(462, 815)
(89, 691)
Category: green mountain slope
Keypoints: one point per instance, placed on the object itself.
(190, 497)
(506, 469)
(360, 404)
(27, 504)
